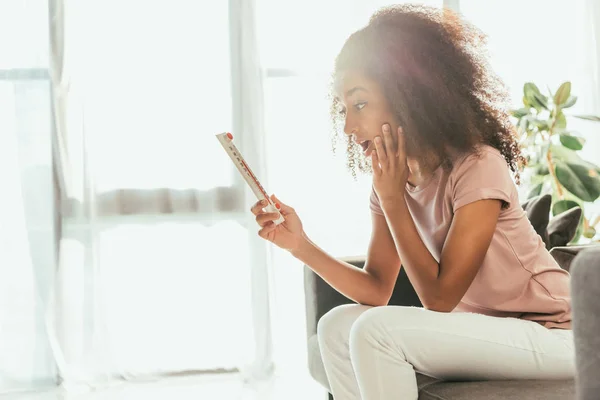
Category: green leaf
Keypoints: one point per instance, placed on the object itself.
(561, 121)
(533, 97)
(535, 191)
(541, 100)
(570, 102)
(572, 142)
(530, 88)
(562, 94)
(564, 154)
(526, 102)
(579, 179)
(590, 232)
(541, 124)
(542, 170)
(588, 117)
(564, 205)
(520, 113)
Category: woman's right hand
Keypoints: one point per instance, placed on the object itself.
(289, 234)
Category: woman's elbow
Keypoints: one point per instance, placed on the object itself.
(439, 305)
(376, 301)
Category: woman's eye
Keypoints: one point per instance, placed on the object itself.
(342, 111)
(360, 106)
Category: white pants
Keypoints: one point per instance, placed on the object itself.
(373, 353)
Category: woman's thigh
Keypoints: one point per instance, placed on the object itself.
(466, 345)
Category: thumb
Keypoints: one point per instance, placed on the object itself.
(284, 208)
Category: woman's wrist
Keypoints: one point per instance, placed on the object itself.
(304, 247)
(393, 204)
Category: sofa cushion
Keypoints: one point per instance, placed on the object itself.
(499, 390)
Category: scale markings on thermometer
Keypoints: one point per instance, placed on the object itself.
(226, 140)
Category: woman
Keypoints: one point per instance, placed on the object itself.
(418, 103)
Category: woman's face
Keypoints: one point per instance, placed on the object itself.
(364, 108)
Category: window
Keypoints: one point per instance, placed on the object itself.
(151, 86)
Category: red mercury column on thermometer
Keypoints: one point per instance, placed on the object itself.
(254, 178)
(226, 140)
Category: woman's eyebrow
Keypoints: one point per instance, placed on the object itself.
(355, 89)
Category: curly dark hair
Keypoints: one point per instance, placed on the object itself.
(432, 67)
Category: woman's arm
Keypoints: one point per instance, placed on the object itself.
(372, 285)
(442, 285)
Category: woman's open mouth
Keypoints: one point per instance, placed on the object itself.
(366, 146)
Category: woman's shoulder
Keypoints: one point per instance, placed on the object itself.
(482, 156)
(484, 160)
(483, 168)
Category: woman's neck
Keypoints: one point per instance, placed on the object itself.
(420, 170)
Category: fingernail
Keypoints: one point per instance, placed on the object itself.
(378, 139)
(386, 128)
(277, 205)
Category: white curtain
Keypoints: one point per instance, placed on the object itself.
(160, 268)
(27, 237)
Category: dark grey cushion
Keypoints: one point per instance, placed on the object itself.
(562, 228)
(538, 214)
(559, 230)
(564, 255)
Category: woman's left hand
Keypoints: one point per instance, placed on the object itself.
(390, 171)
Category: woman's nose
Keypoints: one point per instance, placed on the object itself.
(348, 128)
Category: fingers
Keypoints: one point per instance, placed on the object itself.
(264, 218)
(266, 230)
(401, 143)
(389, 140)
(283, 208)
(258, 207)
(381, 154)
(375, 163)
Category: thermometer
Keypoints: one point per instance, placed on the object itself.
(226, 140)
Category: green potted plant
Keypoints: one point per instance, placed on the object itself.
(554, 165)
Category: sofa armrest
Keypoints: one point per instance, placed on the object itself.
(320, 297)
(585, 292)
(564, 255)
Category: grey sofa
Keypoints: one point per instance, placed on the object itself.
(320, 298)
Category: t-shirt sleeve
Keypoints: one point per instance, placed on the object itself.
(482, 176)
(375, 206)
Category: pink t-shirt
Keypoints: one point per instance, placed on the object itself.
(518, 277)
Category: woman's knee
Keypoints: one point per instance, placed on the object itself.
(337, 323)
(375, 324)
